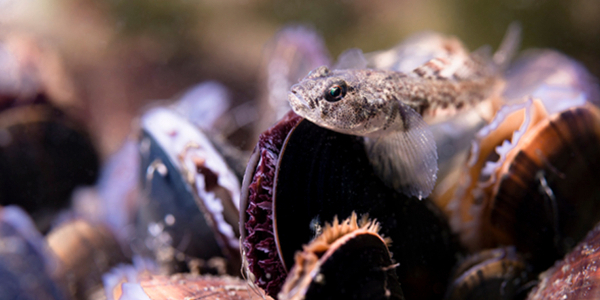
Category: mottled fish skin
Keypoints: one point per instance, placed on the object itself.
(392, 109)
(416, 50)
(371, 101)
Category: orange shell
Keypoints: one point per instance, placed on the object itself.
(188, 286)
(544, 192)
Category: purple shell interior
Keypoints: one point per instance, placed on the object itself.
(259, 242)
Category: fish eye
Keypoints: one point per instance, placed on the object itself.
(336, 92)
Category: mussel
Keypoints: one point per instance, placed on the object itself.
(348, 260)
(180, 286)
(191, 210)
(536, 191)
(300, 176)
(27, 267)
(499, 273)
(45, 152)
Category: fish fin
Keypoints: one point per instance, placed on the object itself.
(483, 53)
(351, 59)
(454, 67)
(434, 68)
(509, 46)
(478, 61)
(475, 64)
(415, 51)
(406, 159)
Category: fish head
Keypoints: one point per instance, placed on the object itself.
(340, 100)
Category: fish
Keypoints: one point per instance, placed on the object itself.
(392, 110)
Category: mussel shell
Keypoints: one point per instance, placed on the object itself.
(186, 286)
(490, 274)
(170, 195)
(192, 209)
(548, 192)
(27, 267)
(322, 174)
(357, 265)
(262, 262)
(85, 251)
(43, 156)
(576, 276)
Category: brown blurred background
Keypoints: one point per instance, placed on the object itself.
(122, 55)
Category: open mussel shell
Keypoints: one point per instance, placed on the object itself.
(576, 276)
(530, 181)
(206, 106)
(548, 196)
(321, 174)
(191, 211)
(347, 261)
(545, 193)
(490, 274)
(27, 266)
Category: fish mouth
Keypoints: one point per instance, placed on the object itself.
(297, 102)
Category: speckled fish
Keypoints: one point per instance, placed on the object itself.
(392, 110)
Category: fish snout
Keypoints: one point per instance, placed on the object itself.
(295, 89)
(296, 98)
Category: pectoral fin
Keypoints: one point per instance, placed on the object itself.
(406, 159)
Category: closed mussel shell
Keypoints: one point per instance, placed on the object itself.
(490, 274)
(27, 266)
(84, 251)
(45, 151)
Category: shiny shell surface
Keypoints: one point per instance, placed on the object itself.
(191, 211)
(553, 173)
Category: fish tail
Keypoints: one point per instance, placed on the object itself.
(509, 46)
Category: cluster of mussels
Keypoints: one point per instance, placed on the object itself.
(305, 216)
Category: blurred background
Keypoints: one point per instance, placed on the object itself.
(76, 75)
(121, 55)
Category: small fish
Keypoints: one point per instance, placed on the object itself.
(392, 110)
